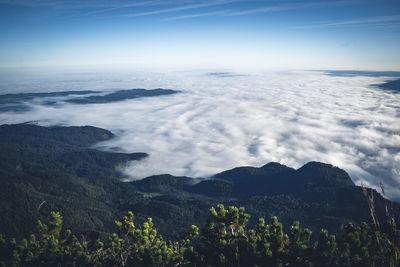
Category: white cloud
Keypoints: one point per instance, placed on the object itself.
(103, 5)
(217, 123)
(368, 21)
(180, 8)
(287, 6)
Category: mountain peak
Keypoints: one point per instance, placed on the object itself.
(275, 167)
(323, 174)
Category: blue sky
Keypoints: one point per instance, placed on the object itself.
(343, 34)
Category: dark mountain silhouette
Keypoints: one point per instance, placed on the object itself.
(57, 165)
(121, 95)
(391, 85)
(20, 102)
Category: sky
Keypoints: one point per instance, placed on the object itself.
(166, 34)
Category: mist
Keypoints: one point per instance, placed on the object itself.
(220, 120)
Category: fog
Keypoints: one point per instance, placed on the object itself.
(222, 120)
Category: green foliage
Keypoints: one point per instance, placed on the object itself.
(224, 240)
(44, 169)
(54, 165)
(139, 246)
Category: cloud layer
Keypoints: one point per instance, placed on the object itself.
(222, 121)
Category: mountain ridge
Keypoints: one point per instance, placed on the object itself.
(57, 165)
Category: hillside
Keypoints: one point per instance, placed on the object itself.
(57, 165)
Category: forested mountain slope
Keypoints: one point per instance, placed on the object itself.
(54, 169)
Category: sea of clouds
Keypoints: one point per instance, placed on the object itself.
(223, 120)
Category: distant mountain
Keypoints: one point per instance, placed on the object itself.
(275, 179)
(121, 95)
(20, 102)
(225, 74)
(14, 98)
(393, 85)
(56, 165)
(353, 73)
(318, 194)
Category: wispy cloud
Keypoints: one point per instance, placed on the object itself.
(380, 20)
(206, 14)
(100, 5)
(104, 6)
(143, 4)
(265, 9)
(122, 6)
(57, 4)
(286, 6)
(180, 8)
